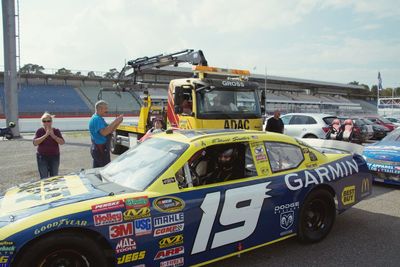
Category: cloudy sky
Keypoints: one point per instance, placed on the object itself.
(328, 40)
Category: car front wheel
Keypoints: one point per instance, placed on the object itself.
(317, 216)
(63, 250)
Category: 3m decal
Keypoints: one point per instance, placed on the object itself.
(169, 204)
(238, 209)
(296, 181)
(132, 214)
(125, 244)
(365, 187)
(58, 224)
(349, 195)
(171, 241)
(112, 205)
(136, 203)
(173, 262)
(143, 226)
(170, 229)
(168, 219)
(131, 257)
(107, 218)
(167, 253)
(121, 230)
(286, 215)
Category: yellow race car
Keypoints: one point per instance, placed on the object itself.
(181, 198)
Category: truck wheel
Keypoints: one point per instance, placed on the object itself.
(116, 149)
(64, 249)
(317, 216)
(9, 136)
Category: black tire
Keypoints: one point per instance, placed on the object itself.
(63, 249)
(317, 216)
(9, 136)
(116, 149)
(310, 136)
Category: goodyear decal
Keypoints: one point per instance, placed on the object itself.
(327, 173)
(61, 223)
(349, 195)
(171, 241)
(131, 257)
(169, 204)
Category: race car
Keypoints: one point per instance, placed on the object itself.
(181, 198)
(383, 159)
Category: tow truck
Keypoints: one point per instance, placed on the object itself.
(225, 101)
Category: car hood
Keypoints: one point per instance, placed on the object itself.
(389, 151)
(30, 198)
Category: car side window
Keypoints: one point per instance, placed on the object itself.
(286, 119)
(297, 119)
(217, 163)
(310, 120)
(283, 156)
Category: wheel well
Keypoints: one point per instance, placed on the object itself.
(310, 135)
(325, 187)
(100, 240)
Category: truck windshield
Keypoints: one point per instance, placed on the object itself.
(141, 165)
(228, 103)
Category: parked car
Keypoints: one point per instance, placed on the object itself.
(382, 121)
(383, 159)
(361, 131)
(395, 121)
(380, 131)
(307, 125)
(182, 198)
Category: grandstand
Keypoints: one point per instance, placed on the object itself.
(76, 95)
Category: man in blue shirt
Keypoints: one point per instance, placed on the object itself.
(100, 133)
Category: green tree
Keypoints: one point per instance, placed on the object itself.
(111, 74)
(63, 71)
(31, 69)
(92, 74)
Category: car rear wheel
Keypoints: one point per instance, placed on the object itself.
(63, 250)
(317, 216)
(310, 136)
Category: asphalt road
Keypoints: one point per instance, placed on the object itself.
(366, 235)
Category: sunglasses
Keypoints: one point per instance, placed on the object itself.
(46, 120)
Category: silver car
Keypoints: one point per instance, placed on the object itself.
(307, 125)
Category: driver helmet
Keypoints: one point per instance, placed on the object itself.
(226, 158)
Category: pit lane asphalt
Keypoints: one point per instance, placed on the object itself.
(366, 235)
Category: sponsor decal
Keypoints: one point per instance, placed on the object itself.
(143, 226)
(384, 168)
(240, 220)
(4, 261)
(330, 172)
(349, 195)
(7, 247)
(313, 157)
(132, 214)
(168, 219)
(121, 230)
(167, 253)
(365, 187)
(169, 204)
(107, 218)
(259, 151)
(171, 241)
(286, 216)
(125, 244)
(237, 124)
(136, 203)
(233, 83)
(113, 205)
(168, 180)
(170, 229)
(58, 224)
(173, 263)
(131, 257)
(305, 150)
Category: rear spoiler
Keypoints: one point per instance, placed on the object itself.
(339, 146)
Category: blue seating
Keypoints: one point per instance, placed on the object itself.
(52, 98)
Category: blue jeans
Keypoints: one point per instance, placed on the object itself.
(48, 165)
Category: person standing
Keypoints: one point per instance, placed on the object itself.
(275, 123)
(48, 139)
(100, 134)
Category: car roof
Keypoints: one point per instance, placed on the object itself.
(189, 136)
(320, 115)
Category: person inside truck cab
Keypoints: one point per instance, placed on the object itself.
(187, 103)
(222, 103)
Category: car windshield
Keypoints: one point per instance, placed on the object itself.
(228, 103)
(394, 136)
(385, 120)
(141, 165)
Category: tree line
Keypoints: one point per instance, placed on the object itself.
(373, 90)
